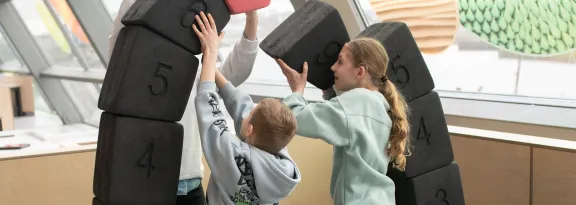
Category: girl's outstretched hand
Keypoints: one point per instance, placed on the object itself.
(297, 81)
(208, 34)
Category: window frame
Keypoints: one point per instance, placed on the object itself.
(520, 109)
(509, 108)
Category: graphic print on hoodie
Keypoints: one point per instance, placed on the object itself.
(241, 174)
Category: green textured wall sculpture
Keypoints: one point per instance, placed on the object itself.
(529, 27)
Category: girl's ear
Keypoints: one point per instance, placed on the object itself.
(361, 71)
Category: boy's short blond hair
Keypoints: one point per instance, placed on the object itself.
(274, 125)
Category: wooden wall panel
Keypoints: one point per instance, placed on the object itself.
(554, 177)
(493, 172)
(49, 180)
(26, 90)
(6, 107)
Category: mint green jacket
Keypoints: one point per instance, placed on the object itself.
(356, 123)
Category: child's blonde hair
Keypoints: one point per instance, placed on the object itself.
(274, 125)
(369, 53)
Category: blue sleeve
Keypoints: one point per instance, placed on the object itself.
(323, 120)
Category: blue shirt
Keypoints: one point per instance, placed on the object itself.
(187, 185)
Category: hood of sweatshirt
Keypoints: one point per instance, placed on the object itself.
(275, 176)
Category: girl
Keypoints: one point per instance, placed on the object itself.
(367, 124)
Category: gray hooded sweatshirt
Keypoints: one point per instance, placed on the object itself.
(241, 174)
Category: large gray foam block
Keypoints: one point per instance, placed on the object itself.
(148, 77)
(314, 33)
(95, 201)
(137, 161)
(173, 19)
(406, 68)
(439, 187)
(430, 141)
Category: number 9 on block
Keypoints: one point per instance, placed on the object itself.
(137, 161)
(148, 77)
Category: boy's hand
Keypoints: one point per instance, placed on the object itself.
(208, 34)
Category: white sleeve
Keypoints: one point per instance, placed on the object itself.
(126, 4)
(238, 65)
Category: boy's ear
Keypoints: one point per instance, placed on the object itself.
(250, 130)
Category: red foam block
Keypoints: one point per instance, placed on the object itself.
(243, 6)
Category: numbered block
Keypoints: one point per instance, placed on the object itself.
(430, 140)
(406, 68)
(137, 161)
(439, 187)
(314, 33)
(95, 201)
(243, 6)
(174, 19)
(148, 77)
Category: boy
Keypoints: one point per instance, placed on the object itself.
(237, 67)
(258, 169)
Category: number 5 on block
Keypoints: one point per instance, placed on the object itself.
(148, 77)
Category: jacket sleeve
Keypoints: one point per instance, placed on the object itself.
(324, 120)
(218, 144)
(238, 104)
(126, 4)
(238, 65)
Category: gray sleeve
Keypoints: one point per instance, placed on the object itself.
(217, 142)
(238, 104)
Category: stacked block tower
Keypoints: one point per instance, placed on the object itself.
(316, 33)
(145, 92)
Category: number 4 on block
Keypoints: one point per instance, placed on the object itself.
(137, 161)
(148, 77)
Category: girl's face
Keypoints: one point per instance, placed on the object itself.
(346, 76)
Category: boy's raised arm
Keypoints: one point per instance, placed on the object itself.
(216, 140)
(238, 104)
(218, 143)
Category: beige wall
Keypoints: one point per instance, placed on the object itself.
(495, 172)
(492, 172)
(49, 180)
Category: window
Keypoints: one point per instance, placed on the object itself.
(112, 6)
(94, 118)
(84, 96)
(265, 69)
(46, 32)
(76, 34)
(482, 63)
(39, 102)
(8, 58)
